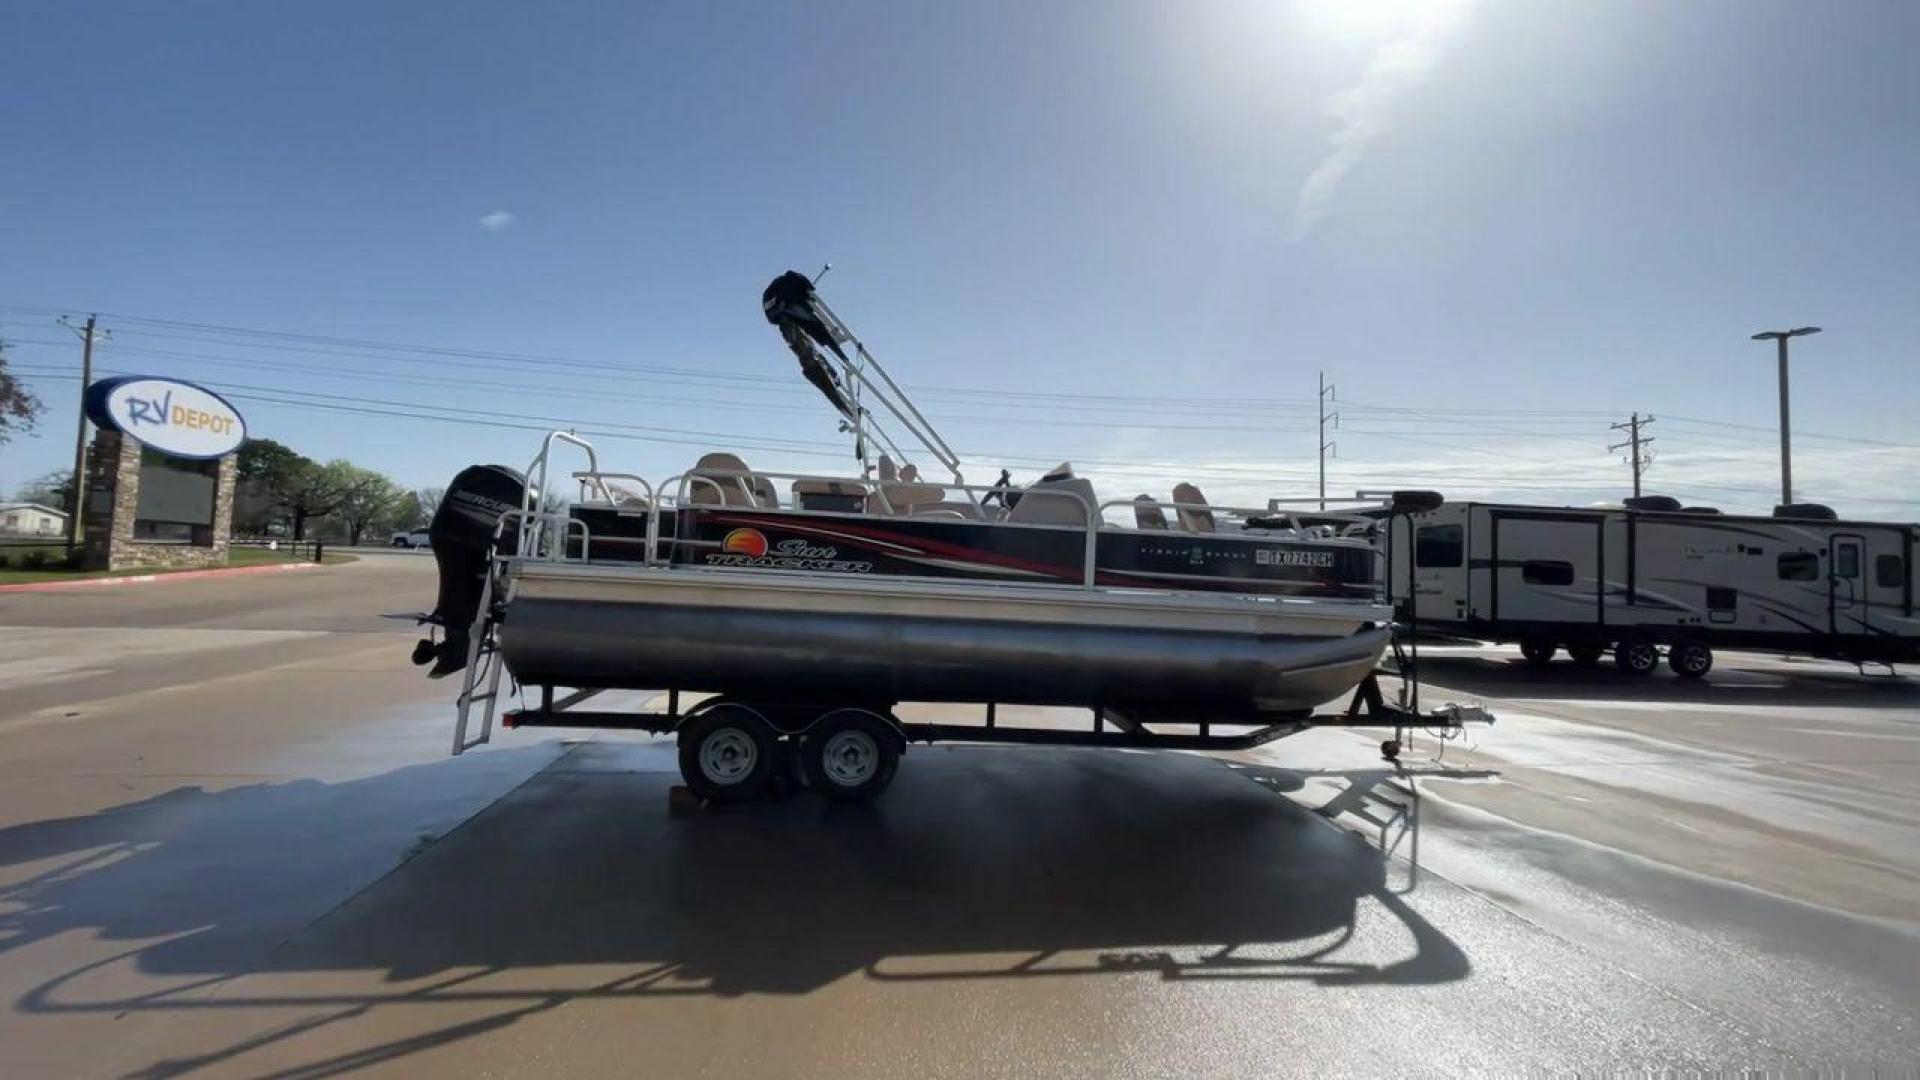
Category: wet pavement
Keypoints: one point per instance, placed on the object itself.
(232, 844)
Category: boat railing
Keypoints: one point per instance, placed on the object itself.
(757, 490)
(870, 488)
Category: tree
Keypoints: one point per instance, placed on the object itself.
(278, 479)
(426, 501)
(264, 459)
(18, 407)
(53, 489)
(367, 499)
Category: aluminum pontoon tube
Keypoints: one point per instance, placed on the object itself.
(798, 654)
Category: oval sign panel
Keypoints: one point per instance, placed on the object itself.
(171, 416)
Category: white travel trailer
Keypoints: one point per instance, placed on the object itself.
(1654, 576)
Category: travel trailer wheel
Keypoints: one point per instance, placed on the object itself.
(850, 754)
(1690, 659)
(1636, 656)
(1538, 653)
(1586, 655)
(728, 753)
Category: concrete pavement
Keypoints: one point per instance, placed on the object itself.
(231, 843)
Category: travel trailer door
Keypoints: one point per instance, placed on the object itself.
(1546, 567)
(1846, 584)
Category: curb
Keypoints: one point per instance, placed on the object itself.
(141, 579)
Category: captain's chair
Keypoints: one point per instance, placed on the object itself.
(1038, 509)
(718, 479)
(1197, 518)
(1147, 513)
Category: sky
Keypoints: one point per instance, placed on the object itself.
(1130, 235)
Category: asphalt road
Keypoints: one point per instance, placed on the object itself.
(232, 843)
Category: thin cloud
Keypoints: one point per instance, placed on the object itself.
(496, 221)
(1365, 110)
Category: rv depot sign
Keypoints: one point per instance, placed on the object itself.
(160, 477)
(173, 417)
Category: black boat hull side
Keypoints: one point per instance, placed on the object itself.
(808, 655)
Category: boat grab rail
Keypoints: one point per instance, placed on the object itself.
(600, 479)
(1247, 513)
(534, 497)
(529, 546)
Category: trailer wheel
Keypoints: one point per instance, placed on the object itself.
(728, 753)
(1690, 659)
(1636, 656)
(1539, 652)
(850, 754)
(1586, 655)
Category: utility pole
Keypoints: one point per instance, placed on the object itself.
(1326, 394)
(1781, 337)
(1635, 440)
(80, 434)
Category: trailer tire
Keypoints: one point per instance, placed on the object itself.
(728, 753)
(1690, 659)
(1586, 655)
(1636, 656)
(850, 754)
(1538, 651)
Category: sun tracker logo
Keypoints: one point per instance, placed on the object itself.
(750, 548)
(749, 542)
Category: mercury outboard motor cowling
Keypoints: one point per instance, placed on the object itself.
(461, 536)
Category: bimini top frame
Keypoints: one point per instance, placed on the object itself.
(792, 304)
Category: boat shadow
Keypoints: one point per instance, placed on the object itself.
(1810, 687)
(980, 863)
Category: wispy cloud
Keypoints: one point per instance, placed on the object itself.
(496, 221)
(1365, 110)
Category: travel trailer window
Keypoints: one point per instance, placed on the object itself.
(1546, 572)
(1888, 573)
(1846, 562)
(1439, 545)
(1799, 566)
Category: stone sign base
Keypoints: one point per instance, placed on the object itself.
(112, 507)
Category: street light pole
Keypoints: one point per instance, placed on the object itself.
(1780, 338)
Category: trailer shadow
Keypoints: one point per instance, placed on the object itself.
(1811, 687)
(980, 863)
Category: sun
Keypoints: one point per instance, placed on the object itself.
(1370, 18)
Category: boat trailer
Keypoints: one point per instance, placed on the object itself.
(730, 747)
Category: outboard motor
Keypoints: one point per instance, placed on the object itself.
(462, 539)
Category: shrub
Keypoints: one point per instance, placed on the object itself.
(34, 560)
(71, 561)
(4, 560)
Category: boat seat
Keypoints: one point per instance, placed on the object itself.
(822, 493)
(1147, 513)
(949, 509)
(1035, 509)
(718, 485)
(903, 498)
(1198, 519)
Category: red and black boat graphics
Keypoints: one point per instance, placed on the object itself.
(749, 538)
